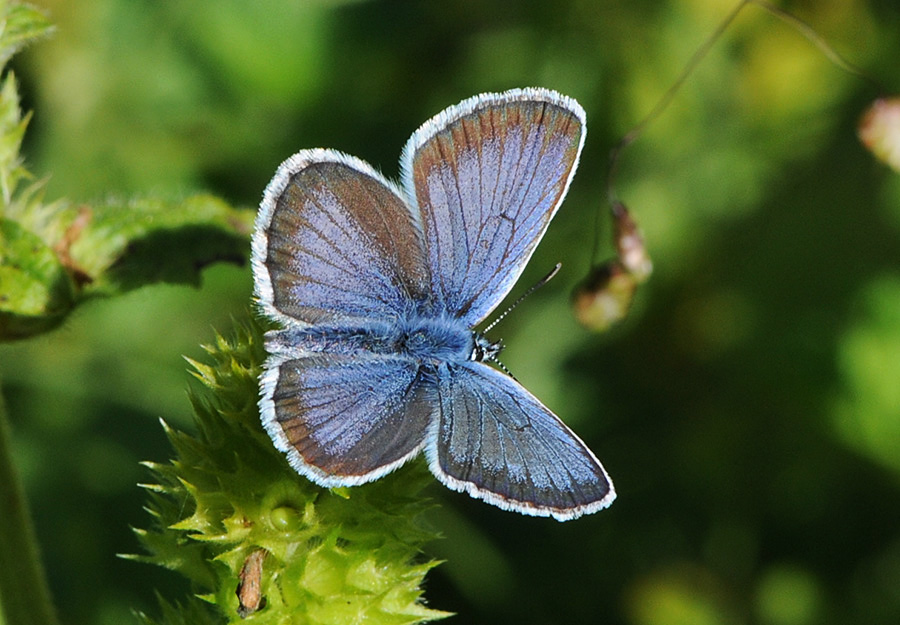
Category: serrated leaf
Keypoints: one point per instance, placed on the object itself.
(108, 250)
(20, 24)
(36, 292)
(12, 130)
(56, 255)
(193, 611)
(126, 246)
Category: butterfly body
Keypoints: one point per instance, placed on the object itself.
(378, 288)
(421, 339)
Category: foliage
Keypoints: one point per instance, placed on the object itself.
(746, 408)
(55, 255)
(228, 498)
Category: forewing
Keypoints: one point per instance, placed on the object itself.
(487, 176)
(334, 241)
(345, 420)
(497, 442)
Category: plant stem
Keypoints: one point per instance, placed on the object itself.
(24, 594)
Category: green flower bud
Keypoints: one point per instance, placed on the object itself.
(256, 540)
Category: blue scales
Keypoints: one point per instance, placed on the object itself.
(378, 287)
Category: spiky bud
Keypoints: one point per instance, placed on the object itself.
(263, 544)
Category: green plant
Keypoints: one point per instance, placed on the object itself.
(340, 556)
(251, 536)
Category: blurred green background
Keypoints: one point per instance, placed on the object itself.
(749, 408)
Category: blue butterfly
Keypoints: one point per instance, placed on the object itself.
(378, 287)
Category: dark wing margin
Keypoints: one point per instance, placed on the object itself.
(345, 420)
(335, 241)
(495, 441)
(487, 176)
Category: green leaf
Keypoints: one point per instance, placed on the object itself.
(123, 246)
(55, 255)
(12, 130)
(36, 292)
(193, 611)
(20, 24)
(108, 250)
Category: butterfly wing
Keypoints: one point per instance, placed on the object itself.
(335, 242)
(345, 420)
(495, 441)
(487, 176)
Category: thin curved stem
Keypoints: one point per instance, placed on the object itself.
(636, 131)
(666, 99)
(795, 22)
(817, 40)
(24, 594)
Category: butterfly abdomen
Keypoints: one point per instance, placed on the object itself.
(419, 338)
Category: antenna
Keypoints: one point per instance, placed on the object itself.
(534, 288)
(503, 368)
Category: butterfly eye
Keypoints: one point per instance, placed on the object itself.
(416, 340)
(483, 350)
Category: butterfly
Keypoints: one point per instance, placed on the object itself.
(377, 287)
